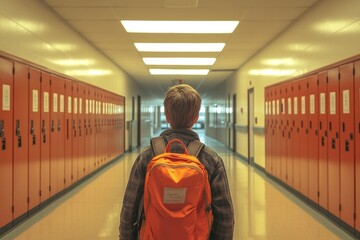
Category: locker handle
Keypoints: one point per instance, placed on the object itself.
(322, 141)
(59, 127)
(52, 126)
(74, 128)
(343, 127)
(333, 143)
(347, 146)
(67, 128)
(2, 135)
(79, 131)
(310, 124)
(31, 127)
(17, 131)
(43, 130)
(330, 126)
(351, 136)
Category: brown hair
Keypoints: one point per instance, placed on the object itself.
(182, 105)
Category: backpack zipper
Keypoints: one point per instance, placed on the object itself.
(175, 166)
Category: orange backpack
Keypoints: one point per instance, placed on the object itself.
(177, 195)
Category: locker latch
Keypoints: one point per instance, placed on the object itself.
(351, 136)
(52, 125)
(347, 145)
(2, 135)
(74, 128)
(43, 130)
(32, 132)
(79, 128)
(18, 133)
(333, 143)
(59, 127)
(322, 141)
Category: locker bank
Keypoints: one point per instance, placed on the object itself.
(81, 95)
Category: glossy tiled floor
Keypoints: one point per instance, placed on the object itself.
(263, 209)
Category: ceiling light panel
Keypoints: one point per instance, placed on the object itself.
(136, 26)
(179, 71)
(179, 47)
(179, 61)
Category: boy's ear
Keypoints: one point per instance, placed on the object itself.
(196, 119)
(167, 120)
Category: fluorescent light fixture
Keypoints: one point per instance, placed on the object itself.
(137, 26)
(179, 61)
(89, 72)
(179, 47)
(279, 61)
(272, 72)
(179, 71)
(74, 62)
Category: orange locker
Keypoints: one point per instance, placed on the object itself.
(333, 142)
(44, 140)
(6, 137)
(296, 137)
(304, 147)
(57, 141)
(323, 140)
(97, 135)
(267, 130)
(357, 141)
(21, 136)
(313, 137)
(288, 132)
(68, 109)
(122, 125)
(347, 150)
(34, 137)
(282, 135)
(75, 133)
(277, 134)
(272, 131)
(81, 131)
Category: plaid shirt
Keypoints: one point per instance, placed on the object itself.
(222, 208)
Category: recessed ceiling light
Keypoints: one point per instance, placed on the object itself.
(179, 71)
(137, 26)
(179, 47)
(179, 61)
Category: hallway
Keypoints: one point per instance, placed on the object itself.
(263, 209)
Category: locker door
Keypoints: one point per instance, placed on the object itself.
(313, 138)
(34, 137)
(6, 137)
(272, 130)
(288, 133)
(61, 127)
(57, 163)
(347, 151)
(96, 129)
(333, 142)
(304, 158)
(21, 133)
(267, 130)
(282, 149)
(92, 128)
(87, 130)
(357, 142)
(276, 153)
(323, 140)
(296, 138)
(81, 131)
(44, 140)
(122, 125)
(54, 106)
(68, 160)
(75, 133)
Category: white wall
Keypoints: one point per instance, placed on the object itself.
(29, 29)
(327, 33)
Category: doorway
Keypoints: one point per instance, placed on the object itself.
(234, 123)
(251, 126)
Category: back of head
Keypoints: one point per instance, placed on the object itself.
(182, 105)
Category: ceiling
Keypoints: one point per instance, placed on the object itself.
(261, 21)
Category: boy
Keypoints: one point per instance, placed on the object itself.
(182, 105)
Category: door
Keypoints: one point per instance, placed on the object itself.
(251, 126)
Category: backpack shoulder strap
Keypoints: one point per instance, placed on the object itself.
(158, 145)
(195, 147)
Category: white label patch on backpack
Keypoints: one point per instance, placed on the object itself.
(174, 195)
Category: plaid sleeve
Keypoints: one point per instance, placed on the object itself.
(133, 193)
(222, 207)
